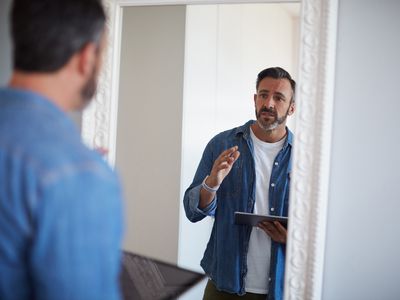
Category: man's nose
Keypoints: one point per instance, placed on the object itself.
(269, 102)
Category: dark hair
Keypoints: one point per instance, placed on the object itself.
(47, 33)
(276, 73)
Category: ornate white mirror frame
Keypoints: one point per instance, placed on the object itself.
(309, 190)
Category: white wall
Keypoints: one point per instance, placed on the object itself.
(226, 47)
(363, 242)
(149, 127)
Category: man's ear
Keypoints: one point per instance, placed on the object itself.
(87, 59)
(292, 108)
(255, 99)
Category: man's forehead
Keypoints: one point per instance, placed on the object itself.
(269, 84)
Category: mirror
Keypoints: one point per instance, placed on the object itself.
(187, 73)
(311, 158)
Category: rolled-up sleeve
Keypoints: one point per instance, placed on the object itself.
(191, 201)
(192, 195)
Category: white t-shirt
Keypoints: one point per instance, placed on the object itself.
(258, 257)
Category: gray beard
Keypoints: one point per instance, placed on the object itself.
(268, 127)
(89, 89)
(274, 125)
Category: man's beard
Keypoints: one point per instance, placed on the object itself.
(89, 89)
(274, 123)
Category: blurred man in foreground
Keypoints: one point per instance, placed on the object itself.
(60, 203)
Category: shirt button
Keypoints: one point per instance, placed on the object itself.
(269, 279)
(272, 209)
(276, 163)
(272, 184)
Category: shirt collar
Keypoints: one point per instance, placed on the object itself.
(245, 131)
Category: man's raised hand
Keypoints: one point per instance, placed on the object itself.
(222, 166)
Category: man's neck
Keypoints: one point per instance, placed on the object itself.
(52, 86)
(269, 136)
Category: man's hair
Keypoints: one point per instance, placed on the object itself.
(276, 73)
(47, 33)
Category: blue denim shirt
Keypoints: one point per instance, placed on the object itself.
(60, 207)
(225, 258)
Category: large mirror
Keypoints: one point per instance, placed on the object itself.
(125, 127)
(187, 72)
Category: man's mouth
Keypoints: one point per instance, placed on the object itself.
(267, 114)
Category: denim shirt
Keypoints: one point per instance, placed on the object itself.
(60, 207)
(225, 258)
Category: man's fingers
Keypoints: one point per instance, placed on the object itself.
(235, 155)
(229, 158)
(223, 166)
(268, 230)
(231, 150)
(266, 226)
(276, 231)
(280, 228)
(227, 162)
(228, 153)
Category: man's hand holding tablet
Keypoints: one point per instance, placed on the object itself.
(274, 226)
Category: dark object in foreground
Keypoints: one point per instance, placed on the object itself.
(143, 278)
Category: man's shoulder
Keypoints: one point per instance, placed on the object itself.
(233, 132)
(53, 159)
(39, 136)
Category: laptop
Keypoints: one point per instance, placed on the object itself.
(143, 278)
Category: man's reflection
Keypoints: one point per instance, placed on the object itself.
(247, 169)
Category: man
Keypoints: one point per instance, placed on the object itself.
(60, 204)
(247, 169)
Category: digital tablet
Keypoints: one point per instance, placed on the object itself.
(250, 219)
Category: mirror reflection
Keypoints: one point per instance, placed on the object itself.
(186, 74)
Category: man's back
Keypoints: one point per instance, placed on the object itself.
(60, 210)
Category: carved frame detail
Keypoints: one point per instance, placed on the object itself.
(311, 158)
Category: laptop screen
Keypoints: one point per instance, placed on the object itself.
(143, 278)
